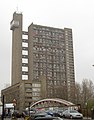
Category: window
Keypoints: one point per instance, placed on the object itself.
(24, 52)
(36, 85)
(28, 89)
(36, 98)
(24, 60)
(36, 31)
(40, 40)
(28, 85)
(24, 77)
(24, 44)
(36, 89)
(35, 94)
(24, 69)
(24, 36)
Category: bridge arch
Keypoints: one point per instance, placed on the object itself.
(51, 102)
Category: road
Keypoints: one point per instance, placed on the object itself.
(63, 119)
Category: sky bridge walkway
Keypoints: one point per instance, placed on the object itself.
(51, 102)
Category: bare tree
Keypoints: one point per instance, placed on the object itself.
(84, 92)
(77, 93)
(91, 89)
(87, 90)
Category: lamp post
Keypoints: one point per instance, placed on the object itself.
(3, 108)
(29, 109)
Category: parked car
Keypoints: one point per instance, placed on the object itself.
(48, 118)
(53, 113)
(72, 114)
(44, 116)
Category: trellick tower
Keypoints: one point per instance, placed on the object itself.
(43, 52)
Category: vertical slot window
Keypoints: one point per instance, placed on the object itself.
(25, 69)
(24, 52)
(24, 60)
(24, 77)
(24, 44)
(24, 36)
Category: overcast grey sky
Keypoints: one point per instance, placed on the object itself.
(75, 14)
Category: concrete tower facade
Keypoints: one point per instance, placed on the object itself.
(16, 27)
(42, 63)
(43, 51)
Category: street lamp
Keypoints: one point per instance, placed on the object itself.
(29, 109)
(3, 108)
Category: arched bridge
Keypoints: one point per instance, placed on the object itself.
(51, 102)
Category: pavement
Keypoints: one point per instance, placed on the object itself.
(12, 119)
